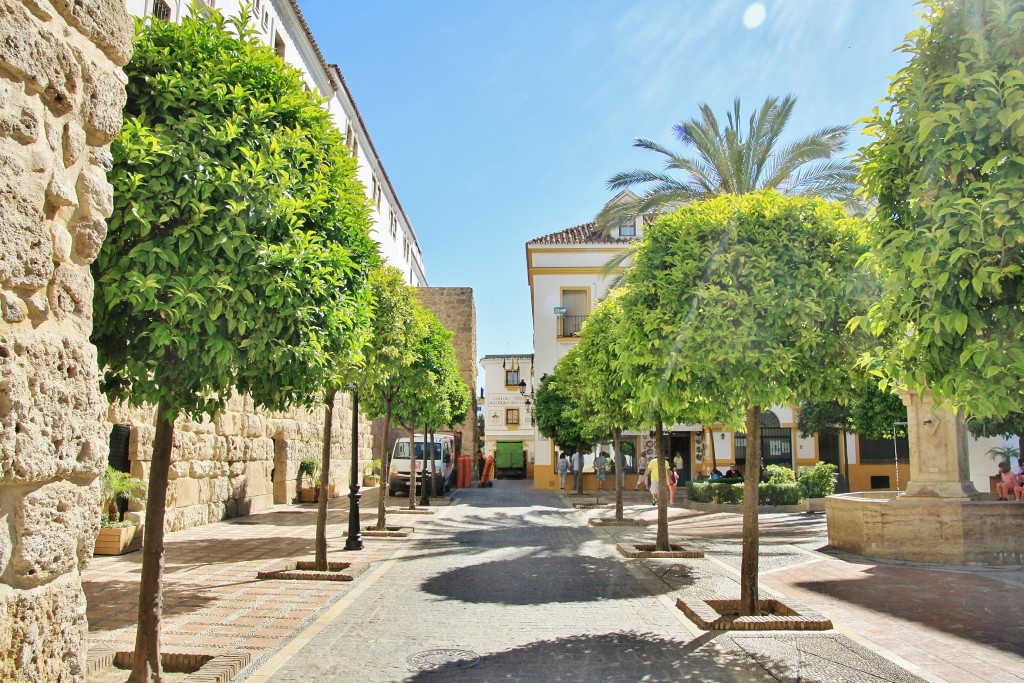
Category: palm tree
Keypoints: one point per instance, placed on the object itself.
(726, 162)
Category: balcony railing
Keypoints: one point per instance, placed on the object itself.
(571, 325)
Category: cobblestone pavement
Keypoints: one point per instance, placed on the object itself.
(517, 578)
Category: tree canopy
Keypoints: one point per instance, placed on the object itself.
(239, 245)
(947, 167)
(558, 409)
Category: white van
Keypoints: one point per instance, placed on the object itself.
(444, 463)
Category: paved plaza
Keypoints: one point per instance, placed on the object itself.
(513, 584)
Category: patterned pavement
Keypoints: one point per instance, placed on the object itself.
(512, 584)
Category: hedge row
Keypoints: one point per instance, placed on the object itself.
(725, 492)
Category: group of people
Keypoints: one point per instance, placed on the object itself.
(573, 464)
(731, 473)
(649, 477)
(1010, 484)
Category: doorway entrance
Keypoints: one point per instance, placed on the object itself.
(679, 443)
(829, 451)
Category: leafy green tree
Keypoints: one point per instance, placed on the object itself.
(742, 301)
(947, 168)
(1006, 426)
(603, 388)
(727, 161)
(866, 410)
(560, 414)
(396, 327)
(421, 395)
(238, 249)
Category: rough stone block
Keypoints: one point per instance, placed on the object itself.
(13, 308)
(70, 297)
(186, 492)
(42, 632)
(72, 143)
(51, 410)
(89, 234)
(39, 57)
(26, 254)
(104, 100)
(54, 529)
(94, 192)
(105, 22)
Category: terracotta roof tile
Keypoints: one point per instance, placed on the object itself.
(579, 234)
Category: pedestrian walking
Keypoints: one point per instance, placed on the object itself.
(577, 470)
(673, 483)
(562, 468)
(677, 464)
(641, 470)
(600, 473)
(652, 471)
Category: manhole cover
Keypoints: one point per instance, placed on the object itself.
(444, 658)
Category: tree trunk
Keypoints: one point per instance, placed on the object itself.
(751, 479)
(325, 471)
(412, 462)
(385, 468)
(619, 465)
(146, 667)
(661, 543)
(711, 438)
(579, 479)
(428, 456)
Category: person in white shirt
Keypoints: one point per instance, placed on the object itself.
(577, 470)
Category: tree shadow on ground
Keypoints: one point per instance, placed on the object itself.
(624, 656)
(537, 579)
(114, 604)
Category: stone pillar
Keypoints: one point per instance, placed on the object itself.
(939, 464)
(61, 96)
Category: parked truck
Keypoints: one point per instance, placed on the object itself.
(509, 460)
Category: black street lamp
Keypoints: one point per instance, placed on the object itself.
(355, 536)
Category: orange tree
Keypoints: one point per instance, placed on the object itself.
(741, 302)
(238, 250)
(947, 168)
(396, 327)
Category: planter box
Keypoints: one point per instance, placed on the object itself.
(333, 491)
(118, 540)
(308, 495)
(369, 481)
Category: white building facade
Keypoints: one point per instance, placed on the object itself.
(281, 25)
(508, 406)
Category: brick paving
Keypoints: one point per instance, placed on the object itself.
(213, 601)
(518, 578)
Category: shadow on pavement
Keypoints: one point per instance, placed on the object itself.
(536, 579)
(627, 656)
(119, 603)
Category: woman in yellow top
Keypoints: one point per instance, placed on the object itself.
(652, 468)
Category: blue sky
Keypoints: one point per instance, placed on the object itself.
(502, 121)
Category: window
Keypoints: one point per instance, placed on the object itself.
(161, 10)
(512, 378)
(882, 450)
(627, 228)
(776, 443)
(266, 20)
(394, 223)
(511, 416)
(376, 191)
(278, 45)
(350, 138)
(405, 247)
(576, 303)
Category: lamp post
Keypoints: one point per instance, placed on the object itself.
(355, 536)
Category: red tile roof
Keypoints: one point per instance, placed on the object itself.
(579, 234)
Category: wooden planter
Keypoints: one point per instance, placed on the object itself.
(369, 481)
(118, 540)
(308, 495)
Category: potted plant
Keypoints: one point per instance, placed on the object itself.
(309, 480)
(117, 536)
(371, 473)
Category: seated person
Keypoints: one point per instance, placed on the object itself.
(1008, 481)
(701, 476)
(715, 475)
(733, 473)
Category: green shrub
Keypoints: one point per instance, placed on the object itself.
(699, 491)
(820, 481)
(780, 494)
(726, 493)
(777, 474)
(309, 469)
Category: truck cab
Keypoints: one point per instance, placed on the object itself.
(444, 463)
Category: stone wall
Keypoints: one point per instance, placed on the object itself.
(61, 96)
(243, 460)
(456, 309)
